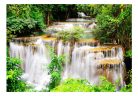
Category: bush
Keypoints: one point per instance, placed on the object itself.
(104, 86)
(14, 72)
(73, 85)
(114, 23)
(128, 87)
(128, 54)
(55, 69)
(71, 35)
(23, 20)
(77, 85)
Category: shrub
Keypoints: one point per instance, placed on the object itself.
(128, 87)
(73, 85)
(71, 35)
(128, 54)
(77, 85)
(23, 20)
(14, 72)
(55, 69)
(104, 86)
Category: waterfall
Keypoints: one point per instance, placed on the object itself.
(35, 60)
(85, 59)
(60, 48)
(83, 64)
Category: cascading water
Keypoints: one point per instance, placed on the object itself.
(84, 59)
(35, 60)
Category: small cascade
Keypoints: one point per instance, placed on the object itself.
(81, 58)
(66, 52)
(60, 48)
(86, 24)
(35, 57)
(88, 63)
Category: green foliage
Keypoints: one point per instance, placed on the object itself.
(55, 69)
(104, 86)
(128, 54)
(55, 80)
(73, 85)
(26, 19)
(22, 18)
(115, 24)
(114, 20)
(37, 15)
(7, 51)
(71, 35)
(77, 85)
(24, 15)
(51, 10)
(14, 72)
(90, 9)
(128, 87)
(10, 35)
(86, 8)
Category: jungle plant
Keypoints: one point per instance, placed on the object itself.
(114, 24)
(104, 86)
(55, 69)
(22, 19)
(71, 35)
(128, 87)
(128, 54)
(73, 85)
(14, 72)
(78, 85)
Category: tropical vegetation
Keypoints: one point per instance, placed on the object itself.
(114, 25)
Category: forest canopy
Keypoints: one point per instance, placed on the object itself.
(113, 20)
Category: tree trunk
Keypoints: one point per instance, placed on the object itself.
(48, 18)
